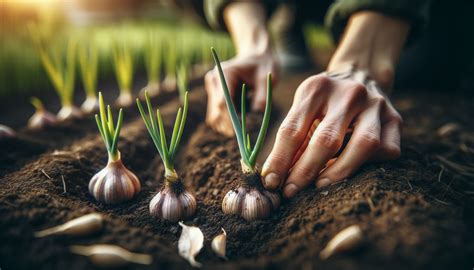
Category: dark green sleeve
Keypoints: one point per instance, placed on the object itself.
(413, 11)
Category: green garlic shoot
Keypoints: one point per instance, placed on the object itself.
(154, 125)
(182, 80)
(248, 154)
(153, 58)
(123, 59)
(108, 131)
(88, 63)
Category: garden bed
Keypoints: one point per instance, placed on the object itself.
(414, 212)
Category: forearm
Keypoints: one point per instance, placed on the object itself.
(246, 22)
(372, 42)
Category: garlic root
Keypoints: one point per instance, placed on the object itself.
(110, 255)
(84, 225)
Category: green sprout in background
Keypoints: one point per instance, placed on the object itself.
(171, 60)
(248, 154)
(61, 70)
(122, 56)
(153, 54)
(182, 78)
(89, 63)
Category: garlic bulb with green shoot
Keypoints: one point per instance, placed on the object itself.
(88, 63)
(153, 57)
(123, 66)
(182, 79)
(173, 202)
(61, 71)
(41, 117)
(170, 61)
(114, 183)
(251, 200)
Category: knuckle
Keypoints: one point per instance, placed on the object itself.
(289, 130)
(305, 172)
(370, 140)
(329, 139)
(313, 86)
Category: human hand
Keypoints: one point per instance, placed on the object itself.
(340, 101)
(251, 69)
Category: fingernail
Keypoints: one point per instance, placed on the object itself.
(290, 190)
(323, 182)
(272, 180)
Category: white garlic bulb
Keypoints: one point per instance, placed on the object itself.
(69, 112)
(125, 99)
(250, 202)
(153, 89)
(91, 104)
(173, 202)
(114, 184)
(169, 83)
(110, 255)
(219, 244)
(347, 239)
(41, 119)
(84, 225)
(6, 132)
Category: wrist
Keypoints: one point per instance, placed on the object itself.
(372, 43)
(246, 22)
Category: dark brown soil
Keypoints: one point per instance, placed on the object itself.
(416, 212)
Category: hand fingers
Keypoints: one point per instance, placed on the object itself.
(260, 94)
(390, 137)
(308, 102)
(364, 142)
(327, 139)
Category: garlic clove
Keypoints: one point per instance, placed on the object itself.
(84, 225)
(69, 112)
(347, 239)
(114, 184)
(219, 244)
(91, 104)
(111, 256)
(6, 132)
(190, 243)
(41, 119)
(167, 205)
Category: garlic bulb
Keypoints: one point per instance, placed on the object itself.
(84, 225)
(169, 83)
(153, 89)
(6, 132)
(219, 244)
(125, 99)
(111, 256)
(347, 239)
(91, 104)
(250, 203)
(42, 118)
(69, 112)
(114, 184)
(173, 202)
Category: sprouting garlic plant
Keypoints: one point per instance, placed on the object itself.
(114, 183)
(173, 202)
(89, 63)
(122, 56)
(153, 58)
(170, 61)
(41, 117)
(251, 201)
(61, 71)
(182, 79)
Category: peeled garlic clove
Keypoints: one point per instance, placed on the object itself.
(6, 132)
(173, 203)
(111, 256)
(84, 225)
(69, 112)
(41, 119)
(190, 243)
(91, 104)
(219, 244)
(114, 184)
(347, 239)
(250, 203)
(125, 99)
